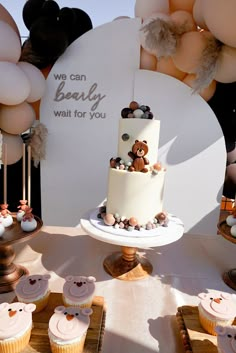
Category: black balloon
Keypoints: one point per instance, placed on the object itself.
(229, 189)
(223, 103)
(31, 11)
(51, 30)
(48, 38)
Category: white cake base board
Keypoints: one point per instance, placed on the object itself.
(139, 239)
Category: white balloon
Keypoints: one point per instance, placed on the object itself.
(14, 147)
(36, 79)
(10, 45)
(16, 119)
(14, 86)
(145, 8)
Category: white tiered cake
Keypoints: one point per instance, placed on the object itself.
(136, 179)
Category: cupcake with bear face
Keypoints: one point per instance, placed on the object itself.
(15, 326)
(34, 289)
(78, 291)
(216, 308)
(68, 328)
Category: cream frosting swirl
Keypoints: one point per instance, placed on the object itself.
(15, 318)
(69, 323)
(32, 286)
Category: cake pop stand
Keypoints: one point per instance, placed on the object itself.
(10, 273)
(229, 276)
(127, 264)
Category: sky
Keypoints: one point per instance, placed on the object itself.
(100, 11)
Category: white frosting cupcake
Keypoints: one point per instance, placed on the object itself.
(68, 328)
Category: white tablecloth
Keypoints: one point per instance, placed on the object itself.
(140, 314)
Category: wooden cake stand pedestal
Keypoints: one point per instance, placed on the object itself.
(10, 273)
(229, 276)
(127, 264)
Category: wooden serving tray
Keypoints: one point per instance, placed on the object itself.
(39, 342)
(194, 337)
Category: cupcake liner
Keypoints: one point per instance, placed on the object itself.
(68, 348)
(40, 303)
(15, 345)
(210, 324)
(87, 304)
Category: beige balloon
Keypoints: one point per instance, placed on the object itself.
(226, 65)
(16, 119)
(220, 18)
(14, 147)
(186, 5)
(198, 14)
(184, 18)
(147, 61)
(15, 86)
(36, 80)
(6, 17)
(10, 44)
(144, 8)
(167, 66)
(189, 51)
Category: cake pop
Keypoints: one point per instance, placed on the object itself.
(6, 217)
(28, 223)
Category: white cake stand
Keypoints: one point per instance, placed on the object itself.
(127, 264)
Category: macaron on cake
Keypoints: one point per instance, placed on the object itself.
(67, 329)
(216, 309)
(33, 289)
(78, 291)
(15, 326)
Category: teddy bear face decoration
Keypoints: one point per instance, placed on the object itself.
(79, 287)
(15, 318)
(226, 338)
(220, 304)
(32, 286)
(69, 323)
(138, 153)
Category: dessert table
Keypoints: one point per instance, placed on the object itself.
(140, 315)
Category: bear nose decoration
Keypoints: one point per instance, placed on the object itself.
(79, 284)
(32, 281)
(12, 313)
(217, 300)
(69, 317)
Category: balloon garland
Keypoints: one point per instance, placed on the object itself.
(195, 42)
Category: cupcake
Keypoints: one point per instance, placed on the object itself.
(226, 339)
(216, 309)
(78, 291)
(67, 329)
(15, 326)
(33, 289)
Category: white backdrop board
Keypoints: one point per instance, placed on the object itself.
(101, 72)
(98, 69)
(192, 148)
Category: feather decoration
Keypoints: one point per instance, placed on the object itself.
(37, 141)
(161, 36)
(207, 67)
